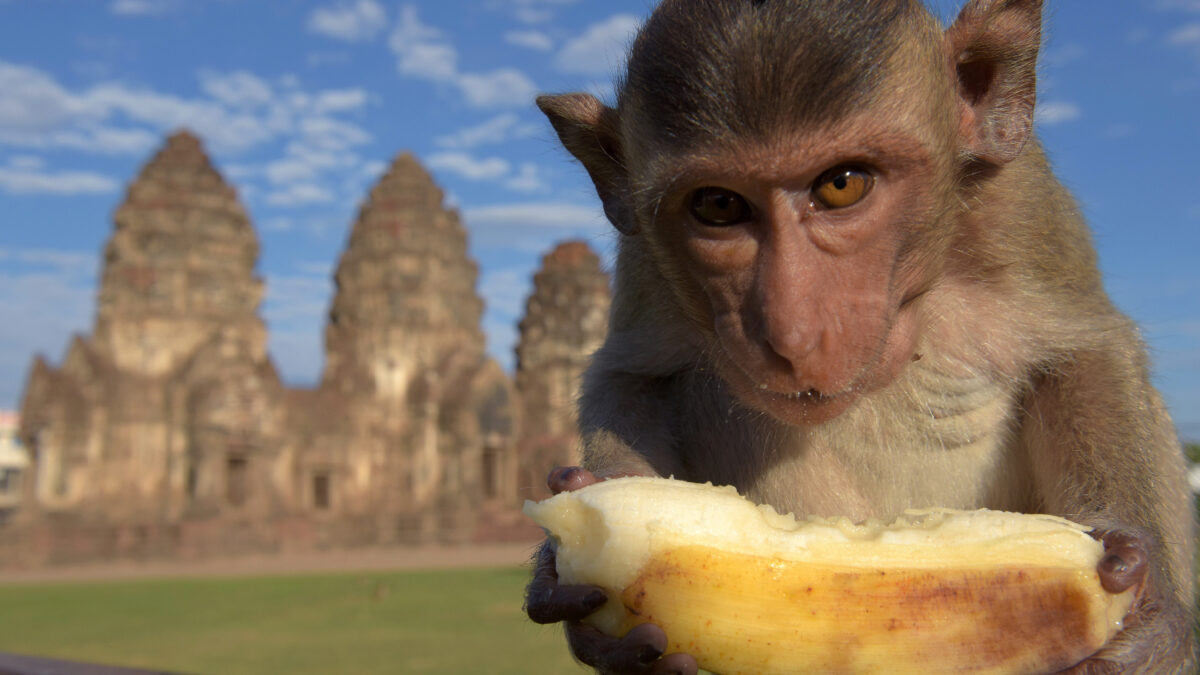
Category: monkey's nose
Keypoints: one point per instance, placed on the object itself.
(790, 358)
(792, 346)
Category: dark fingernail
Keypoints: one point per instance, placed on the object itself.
(649, 654)
(558, 478)
(594, 599)
(1115, 564)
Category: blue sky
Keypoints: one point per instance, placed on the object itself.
(302, 104)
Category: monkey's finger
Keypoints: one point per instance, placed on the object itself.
(640, 652)
(1125, 562)
(566, 478)
(546, 601)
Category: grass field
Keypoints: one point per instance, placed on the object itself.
(452, 621)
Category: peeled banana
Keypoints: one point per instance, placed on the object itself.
(747, 590)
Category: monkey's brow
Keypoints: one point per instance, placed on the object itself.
(892, 149)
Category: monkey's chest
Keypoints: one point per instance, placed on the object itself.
(932, 440)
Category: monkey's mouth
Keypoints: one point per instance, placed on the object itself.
(807, 406)
(806, 395)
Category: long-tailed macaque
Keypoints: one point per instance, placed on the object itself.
(848, 283)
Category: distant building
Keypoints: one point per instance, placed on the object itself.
(167, 429)
(13, 461)
(566, 319)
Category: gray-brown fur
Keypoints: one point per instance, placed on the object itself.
(745, 68)
(1026, 389)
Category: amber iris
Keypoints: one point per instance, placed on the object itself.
(842, 187)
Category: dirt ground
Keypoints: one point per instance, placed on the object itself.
(352, 560)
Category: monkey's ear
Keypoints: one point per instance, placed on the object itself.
(993, 48)
(590, 131)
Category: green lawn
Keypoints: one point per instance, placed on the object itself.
(361, 623)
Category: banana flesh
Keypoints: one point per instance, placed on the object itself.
(747, 590)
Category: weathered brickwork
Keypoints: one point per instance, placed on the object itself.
(167, 430)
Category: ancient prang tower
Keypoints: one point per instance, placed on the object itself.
(167, 431)
(171, 407)
(566, 319)
(426, 422)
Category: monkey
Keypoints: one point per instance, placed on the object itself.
(848, 283)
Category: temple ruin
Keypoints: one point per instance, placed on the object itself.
(566, 319)
(167, 430)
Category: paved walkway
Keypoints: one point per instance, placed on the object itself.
(374, 559)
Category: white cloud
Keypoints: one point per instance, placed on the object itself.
(350, 21)
(555, 218)
(1072, 52)
(241, 111)
(431, 61)
(1056, 112)
(531, 11)
(601, 49)
(31, 101)
(321, 268)
(239, 89)
(462, 164)
(27, 162)
(279, 224)
(30, 181)
(505, 290)
(529, 179)
(300, 194)
(294, 309)
(92, 138)
(141, 7)
(79, 263)
(61, 279)
(494, 131)
(530, 39)
(1187, 37)
(219, 126)
(422, 51)
(373, 170)
(290, 170)
(331, 134)
(339, 100)
(304, 163)
(1186, 5)
(299, 299)
(237, 111)
(504, 87)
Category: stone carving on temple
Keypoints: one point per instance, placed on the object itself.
(167, 431)
(566, 319)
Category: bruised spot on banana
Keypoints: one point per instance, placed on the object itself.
(747, 590)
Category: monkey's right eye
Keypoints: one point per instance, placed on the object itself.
(718, 207)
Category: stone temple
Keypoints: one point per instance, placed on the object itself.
(167, 431)
(566, 319)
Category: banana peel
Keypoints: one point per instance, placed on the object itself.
(747, 590)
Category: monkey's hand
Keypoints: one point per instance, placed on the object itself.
(546, 601)
(1158, 634)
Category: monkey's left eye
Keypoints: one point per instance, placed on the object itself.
(842, 187)
(718, 207)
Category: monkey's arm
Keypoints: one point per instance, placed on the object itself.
(624, 421)
(639, 652)
(1105, 454)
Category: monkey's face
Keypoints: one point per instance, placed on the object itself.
(797, 254)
